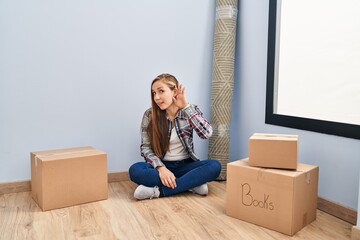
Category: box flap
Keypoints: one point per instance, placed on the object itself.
(300, 168)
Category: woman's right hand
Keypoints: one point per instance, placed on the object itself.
(167, 177)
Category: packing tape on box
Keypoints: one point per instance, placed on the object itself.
(269, 135)
(36, 160)
(37, 157)
(261, 170)
(259, 173)
(308, 177)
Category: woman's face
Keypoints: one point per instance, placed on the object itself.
(162, 94)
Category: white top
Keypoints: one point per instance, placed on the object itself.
(176, 150)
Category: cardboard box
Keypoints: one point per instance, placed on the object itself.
(67, 177)
(273, 150)
(281, 200)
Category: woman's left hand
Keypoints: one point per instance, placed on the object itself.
(167, 177)
(179, 97)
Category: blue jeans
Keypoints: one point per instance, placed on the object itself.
(188, 173)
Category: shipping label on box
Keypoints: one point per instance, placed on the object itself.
(281, 200)
(67, 177)
(273, 150)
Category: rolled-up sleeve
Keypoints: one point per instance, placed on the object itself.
(145, 147)
(198, 121)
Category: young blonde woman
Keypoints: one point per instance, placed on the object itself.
(171, 165)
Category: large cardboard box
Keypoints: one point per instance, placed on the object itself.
(281, 200)
(67, 177)
(273, 150)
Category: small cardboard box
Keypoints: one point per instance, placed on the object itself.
(273, 150)
(67, 177)
(281, 200)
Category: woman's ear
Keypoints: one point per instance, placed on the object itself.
(175, 91)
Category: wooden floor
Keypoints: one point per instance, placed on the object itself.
(185, 216)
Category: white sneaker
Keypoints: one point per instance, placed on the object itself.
(143, 192)
(201, 190)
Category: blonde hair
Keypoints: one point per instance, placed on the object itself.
(158, 127)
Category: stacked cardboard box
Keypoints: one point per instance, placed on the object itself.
(273, 150)
(67, 177)
(268, 190)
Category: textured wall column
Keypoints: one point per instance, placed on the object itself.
(223, 81)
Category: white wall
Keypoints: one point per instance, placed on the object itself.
(337, 157)
(78, 73)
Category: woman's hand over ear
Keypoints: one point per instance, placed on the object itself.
(179, 97)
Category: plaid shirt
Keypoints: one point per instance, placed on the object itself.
(186, 120)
